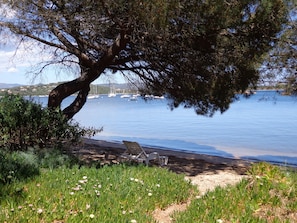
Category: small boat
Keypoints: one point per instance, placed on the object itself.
(93, 96)
(158, 97)
(125, 96)
(110, 95)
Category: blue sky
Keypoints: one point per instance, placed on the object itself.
(15, 66)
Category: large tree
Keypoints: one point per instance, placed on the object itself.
(198, 53)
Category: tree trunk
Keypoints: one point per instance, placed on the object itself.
(80, 85)
(77, 104)
(90, 71)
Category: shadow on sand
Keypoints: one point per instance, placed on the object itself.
(103, 153)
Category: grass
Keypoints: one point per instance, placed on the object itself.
(126, 193)
(269, 195)
(116, 193)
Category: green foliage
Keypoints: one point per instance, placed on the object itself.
(212, 51)
(54, 158)
(17, 166)
(197, 53)
(20, 165)
(281, 62)
(24, 123)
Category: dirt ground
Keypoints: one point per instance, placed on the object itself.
(207, 172)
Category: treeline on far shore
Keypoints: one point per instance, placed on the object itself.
(45, 89)
(96, 89)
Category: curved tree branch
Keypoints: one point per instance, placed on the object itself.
(78, 103)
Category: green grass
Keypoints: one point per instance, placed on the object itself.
(269, 195)
(116, 193)
(127, 193)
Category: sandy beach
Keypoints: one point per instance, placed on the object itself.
(189, 164)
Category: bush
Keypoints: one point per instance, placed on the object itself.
(24, 123)
(17, 166)
(54, 157)
(21, 165)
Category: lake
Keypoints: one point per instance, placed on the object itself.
(262, 127)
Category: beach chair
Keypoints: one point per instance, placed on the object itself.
(134, 152)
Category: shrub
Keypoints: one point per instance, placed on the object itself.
(54, 157)
(24, 123)
(17, 166)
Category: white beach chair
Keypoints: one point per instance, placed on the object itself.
(136, 153)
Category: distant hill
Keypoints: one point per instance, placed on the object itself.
(44, 89)
(3, 85)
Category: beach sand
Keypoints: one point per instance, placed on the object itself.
(189, 164)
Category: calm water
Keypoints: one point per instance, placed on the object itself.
(263, 127)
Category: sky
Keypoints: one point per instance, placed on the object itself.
(16, 66)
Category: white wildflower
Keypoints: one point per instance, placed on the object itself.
(97, 193)
(133, 221)
(92, 216)
(97, 186)
(77, 188)
(39, 210)
(149, 194)
(88, 206)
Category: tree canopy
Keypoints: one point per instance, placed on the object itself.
(280, 65)
(197, 53)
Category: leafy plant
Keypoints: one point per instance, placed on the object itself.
(24, 123)
(54, 158)
(17, 166)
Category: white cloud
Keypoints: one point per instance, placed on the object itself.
(26, 55)
(5, 60)
(12, 70)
